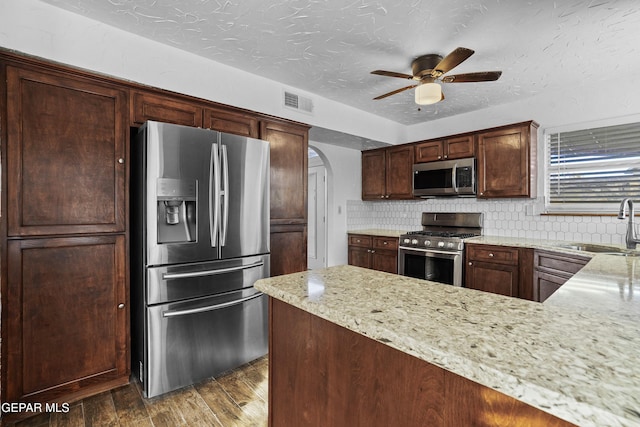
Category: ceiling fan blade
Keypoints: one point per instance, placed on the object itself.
(482, 76)
(394, 92)
(452, 60)
(392, 74)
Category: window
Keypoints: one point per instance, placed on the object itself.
(592, 170)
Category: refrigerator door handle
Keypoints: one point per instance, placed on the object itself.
(169, 276)
(214, 194)
(225, 195)
(209, 307)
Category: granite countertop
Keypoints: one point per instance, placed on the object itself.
(378, 232)
(576, 356)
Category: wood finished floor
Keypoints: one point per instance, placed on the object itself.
(237, 398)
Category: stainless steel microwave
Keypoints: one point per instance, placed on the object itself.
(445, 178)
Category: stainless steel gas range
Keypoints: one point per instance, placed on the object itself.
(436, 252)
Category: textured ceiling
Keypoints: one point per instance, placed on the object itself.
(329, 47)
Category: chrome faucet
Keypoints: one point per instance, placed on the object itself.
(631, 239)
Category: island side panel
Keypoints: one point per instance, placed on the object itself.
(322, 374)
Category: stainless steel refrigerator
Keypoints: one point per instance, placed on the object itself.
(199, 241)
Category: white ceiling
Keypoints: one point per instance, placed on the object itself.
(329, 47)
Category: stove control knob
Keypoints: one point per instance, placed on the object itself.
(441, 244)
(427, 242)
(406, 241)
(414, 241)
(450, 245)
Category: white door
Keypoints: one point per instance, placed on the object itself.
(316, 235)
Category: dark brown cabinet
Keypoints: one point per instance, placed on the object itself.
(65, 323)
(231, 122)
(499, 269)
(552, 270)
(375, 252)
(66, 154)
(387, 173)
(289, 145)
(457, 147)
(68, 323)
(505, 161)
(164, 108)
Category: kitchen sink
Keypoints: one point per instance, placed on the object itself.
(600, 249)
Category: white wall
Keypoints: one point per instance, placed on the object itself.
(39, 29)
(343, 184)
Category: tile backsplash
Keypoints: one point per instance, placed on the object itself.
(512, 218)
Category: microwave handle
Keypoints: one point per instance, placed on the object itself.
(453, 177)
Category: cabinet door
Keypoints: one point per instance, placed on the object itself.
(503, 163)
(169, 109)
(545, 284)
(399, 172)
(359, 256)
(373, 174)
(231, 122)
(429, 151)
(288, 249)
(382, 260)
(68, 316)
(67, 145)
(459, 148)
(288, 148)
(495, 278)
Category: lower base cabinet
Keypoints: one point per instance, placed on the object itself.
(374, 252)
(552, 270)
(500, 270)
(67, 326)
(288, 249)
(348, 387)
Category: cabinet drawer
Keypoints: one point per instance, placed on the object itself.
(360, 240)
(562, 264)
(385, 243)
(495, 254)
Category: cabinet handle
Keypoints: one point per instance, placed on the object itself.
(490, 255)
(373, 251)
(446, 157)
(120, 305)
(470, 263)
(385, 243)
(121, 160)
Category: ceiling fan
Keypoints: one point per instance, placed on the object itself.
(429, 69)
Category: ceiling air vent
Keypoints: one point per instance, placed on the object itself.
(297, 102)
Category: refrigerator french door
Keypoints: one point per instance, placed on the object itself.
(200, 239)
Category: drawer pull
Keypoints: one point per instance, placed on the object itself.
(490, 255)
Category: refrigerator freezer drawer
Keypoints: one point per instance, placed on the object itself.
(186, 281)
(190, 341)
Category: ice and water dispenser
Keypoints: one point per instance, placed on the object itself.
(176, 200)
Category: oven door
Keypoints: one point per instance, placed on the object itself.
(430, 264)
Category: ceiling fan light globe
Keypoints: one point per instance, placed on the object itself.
(428, 93)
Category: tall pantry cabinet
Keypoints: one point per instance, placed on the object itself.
(64, 228)
(65, 311)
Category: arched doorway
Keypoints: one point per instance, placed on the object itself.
(317, 212)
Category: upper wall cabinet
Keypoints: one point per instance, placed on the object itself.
(66, 151)
(169, 109)
(506, 161)
(288, 149)
(451, 148)
(231, 122)
(387, 173)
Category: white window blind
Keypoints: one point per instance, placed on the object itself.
(594, 166)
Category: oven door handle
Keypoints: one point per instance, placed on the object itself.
(431, 251)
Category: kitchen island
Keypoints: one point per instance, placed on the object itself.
(413, 352)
